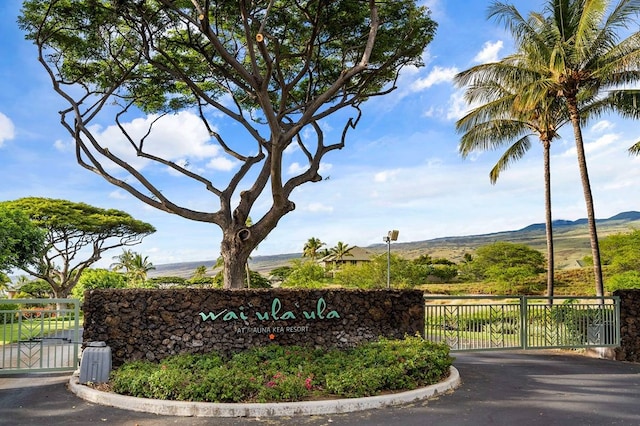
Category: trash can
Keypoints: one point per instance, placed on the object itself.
(95, 364)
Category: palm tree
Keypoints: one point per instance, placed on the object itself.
(123, 261)
(4, 281)
(500, 120)
(135, 265)
(200, 272)
(340, 250)
(312, 248)
(139, 268)
(579, 58)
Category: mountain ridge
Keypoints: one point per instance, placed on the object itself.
(571, 244)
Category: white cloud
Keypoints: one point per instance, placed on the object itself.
(386, 176)
(436, 76)
(602, 126)
(7, 129)
(173, 137)
(221, 163)
(458, 106)
(318, 208)
(593, 147)
(489, 53)
(429, 112)
(118, 195)
(63, 146)
(325, 167)
(296, 168)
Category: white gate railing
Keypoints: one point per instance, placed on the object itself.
(525, 322)
(39, 335)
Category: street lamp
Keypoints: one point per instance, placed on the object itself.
(391, 236)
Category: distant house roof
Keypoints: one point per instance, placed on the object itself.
(357, 254)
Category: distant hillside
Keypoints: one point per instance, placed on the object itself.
(571, 243)
(625, 216)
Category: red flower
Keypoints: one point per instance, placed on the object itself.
(308, 382)
(272, 336)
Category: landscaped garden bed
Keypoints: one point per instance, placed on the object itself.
(277, 373)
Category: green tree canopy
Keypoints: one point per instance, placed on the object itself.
(621, 252)
(76, 236)
(20, 240)
(277, 68)
(97, 278)
(505, 261)
(305, 274)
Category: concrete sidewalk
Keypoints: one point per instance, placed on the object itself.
(498, 388)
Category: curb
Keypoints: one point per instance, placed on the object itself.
(209, 409)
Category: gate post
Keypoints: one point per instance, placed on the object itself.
(523, 322)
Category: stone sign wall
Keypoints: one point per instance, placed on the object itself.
(629, 349)
(154, 324)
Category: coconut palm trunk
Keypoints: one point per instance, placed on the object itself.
(548, 219)
(588, 197)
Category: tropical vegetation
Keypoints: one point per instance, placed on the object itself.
(20, 239)
(75, 237)
(312, 248)
(135, 266)
(98, 279)
(293, 373)
(576, 57)
(501, 120)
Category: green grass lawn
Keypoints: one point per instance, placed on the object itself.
(31, 328)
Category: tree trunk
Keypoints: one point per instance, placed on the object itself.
(588, 197)
(235, 255)
(548, 220)
(60, 293)
(248, 272)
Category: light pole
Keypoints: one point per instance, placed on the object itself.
(391, 236)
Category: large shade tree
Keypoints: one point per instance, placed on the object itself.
(76, 236)
(20, 240)
(275, 67)
(583, 56)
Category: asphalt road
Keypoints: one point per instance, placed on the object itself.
(498, 388)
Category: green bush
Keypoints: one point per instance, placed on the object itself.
(5, 317)
(257, 280)
(281, 273)
(624, 281)
(167, 281)
(288, 373)
(305, 274)
(97, 278)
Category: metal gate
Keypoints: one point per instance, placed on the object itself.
(39, 335)
(523, 322)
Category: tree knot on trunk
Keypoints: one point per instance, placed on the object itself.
(243, 234)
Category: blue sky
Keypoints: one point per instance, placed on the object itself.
(399, 170)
